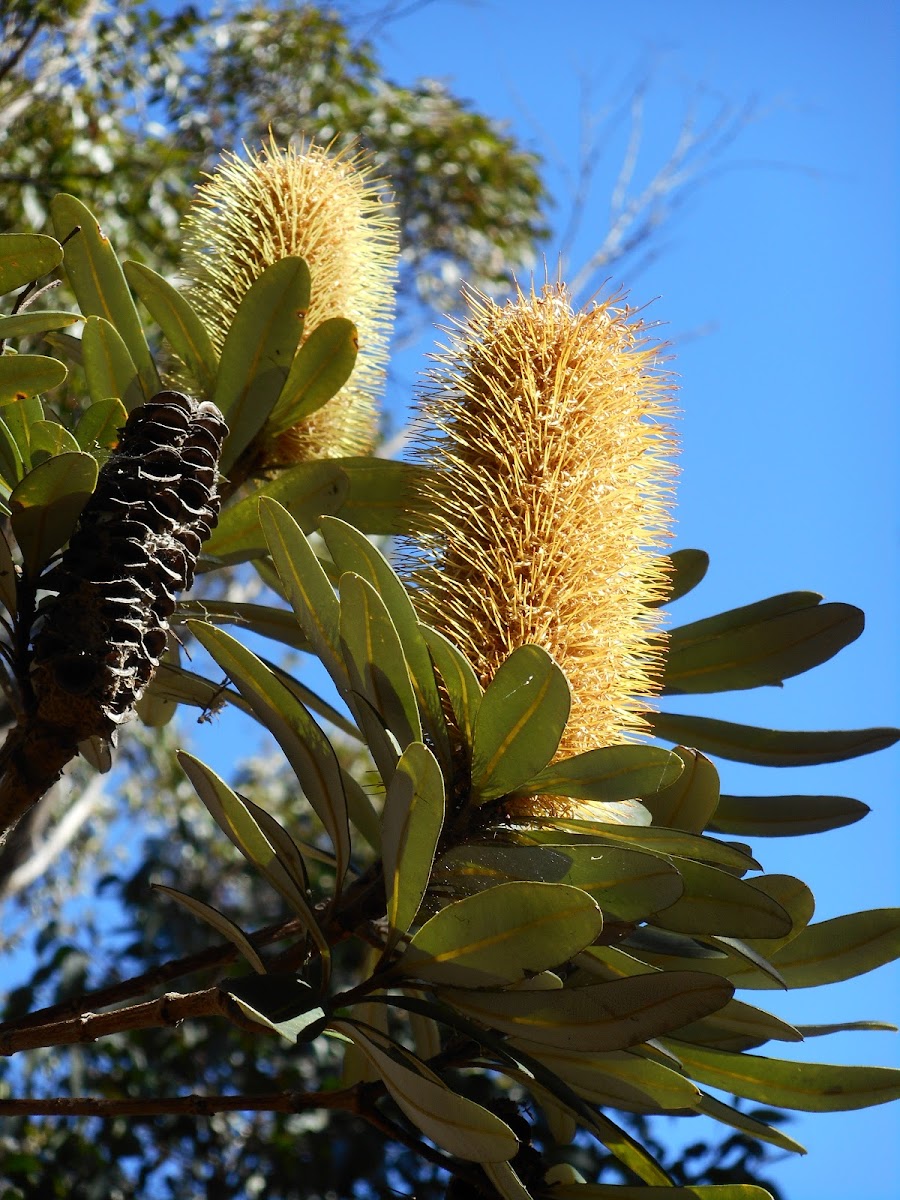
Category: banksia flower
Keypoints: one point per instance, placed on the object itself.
(329, 210)
(549, 493)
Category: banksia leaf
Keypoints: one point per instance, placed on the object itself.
(329, 210)
(548, 493)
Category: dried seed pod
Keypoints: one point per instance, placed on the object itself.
(101, 636)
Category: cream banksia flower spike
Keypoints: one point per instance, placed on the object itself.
(330, 210)
(549, 500)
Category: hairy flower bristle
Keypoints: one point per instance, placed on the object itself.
(329, 210)
(549, 497)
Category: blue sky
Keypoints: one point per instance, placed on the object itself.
(778, 284)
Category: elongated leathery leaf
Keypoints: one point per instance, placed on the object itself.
(174, 315)
(235, 820)
(98, 428)
(609, 774)
(46, 506)
(758, 644)
(258, 351)
(321, 367)
(411, 825)
(23, 375)
(460, 680)
(99, 283)
(502, 935)
(352, 551)
(784, 816)
(520, 720)
(27, 324)
(25, 257)
(377, 668)
(49, 438)
(108, 365)
(603, 1016)
(715, 902)
(691, 799)
(307, 492)
(711, 1107)
(306, 747)
(689, 568)
(456, 1124)
(222, 924)
(712, 1191)
(770, 747)
(382, 496)
(810, 1087)
(648, 839)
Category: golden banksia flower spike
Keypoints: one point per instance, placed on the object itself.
(549, 500)
(330, 210)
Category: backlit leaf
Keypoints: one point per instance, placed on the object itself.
(99, 284)
(609, 774)
(25, 257)
(714, 901)
(382, 495)
(29, 324)
(689, 801)
(770, 747)
(108, 365)
(258, 351)
(321, 367)
(459, 678)
(649, 839)
(222, 924)
(784, 816)
(711, 1107)
(46, 506)
(98, 428)
(411, 825)
(456, 1124)
(809, 1087)
(500, 936)
(603, 1016)
(24, 375)
(183, 329)
(520, 720)
(758, 644)
(688, 569)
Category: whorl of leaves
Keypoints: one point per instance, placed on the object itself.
(137, 541)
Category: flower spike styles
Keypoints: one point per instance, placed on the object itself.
(330, 210)
(550, 497)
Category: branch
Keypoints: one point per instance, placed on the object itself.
(191, 1106)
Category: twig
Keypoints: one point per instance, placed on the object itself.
(191, 1106)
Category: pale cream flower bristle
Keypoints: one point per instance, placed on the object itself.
(330, 210)
(550, 499)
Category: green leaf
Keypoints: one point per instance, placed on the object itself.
(49, 438)
(649, 839)
(376, 666)
(714, 901)
(520, 720)
(99, 426)
(738, 1026)
(235, 820)
(8, 597)
(711, 1107)
(222, 924)
(618, 1078)
(770, 747)
(690, 801)
(352, 551)
(29, 324)
(321, 367)
(108, 365)
(603, 1016)
(23, 375)
(506, 1182)
(280, 1002)
(809, 1087)
(12, 467)
(625, 883)
(182, 327)
(258, 351)
(758, 644)
(25, 257)
(809, 1031)
(460, 680)
(459, 1126)
(279, 624)
(784, 816)
(411, 825)
(688, 569)
(46, 506)
(310, 594)
(610, 774)
(307, 492)
(712, 1191)
(99, 284)
(500, 936)
(382, 495)
(306, 747)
